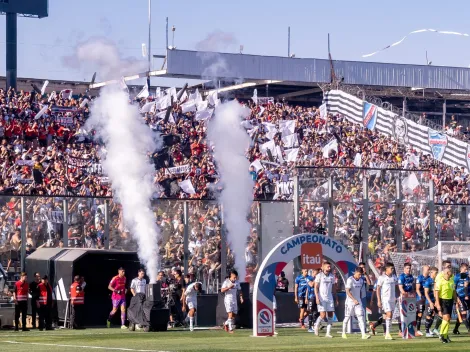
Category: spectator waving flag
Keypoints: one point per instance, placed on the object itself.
(43, 89)
(332, 145)
(144, 93)
(66, 93)
(52, 96)
(41, 112)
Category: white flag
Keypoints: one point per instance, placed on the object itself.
(268, 145)
(41, 112)
(414, 159)
(202, 105)
(212, 98)
(83, 103)
(165, 102)
(410, 183)
(52, 96)
(66, 93)
(255, 96)
(287, 127)
(332, 145)
(158, 93)
(144, 50)
(257, 165)
(188, 107)
(147, 107)
(196, 96)
(187, 186)
(204, 114)
(358, 160)
(43, 89)
(144, 93)
(323, 112)
(291, 154)
(290, 141)
(171, 92)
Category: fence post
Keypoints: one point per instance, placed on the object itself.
(260, 234)
(65, 225)
(296, 205)
(398, 215)
(432, 215)
(106, 224)
(223, 254)
(331, 225)
(365, 218)
(186, 236)
(23, 233)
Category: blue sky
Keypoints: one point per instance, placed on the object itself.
(356, 28)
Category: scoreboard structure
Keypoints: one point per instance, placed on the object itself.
(12, 9)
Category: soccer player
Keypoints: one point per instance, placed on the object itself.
(405, 285)
(230, 287)
(325, 295)
(379, 321)
(366, 283)
(461, 287)
(118, 287)
(420, 298)
(444, 291)
(310, 299)
(353, 304)
(300, 290)
(431, 310)
(386, 296)
(190, 301)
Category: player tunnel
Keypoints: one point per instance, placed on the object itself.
(96, 266)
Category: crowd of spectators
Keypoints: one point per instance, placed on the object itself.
(47, 152)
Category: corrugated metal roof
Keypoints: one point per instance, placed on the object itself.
(255, 67)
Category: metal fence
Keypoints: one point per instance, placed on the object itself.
(373, 212)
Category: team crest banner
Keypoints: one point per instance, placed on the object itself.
(438, 143)
(408, 315)
(369, 115)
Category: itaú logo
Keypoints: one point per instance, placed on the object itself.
(311, 255)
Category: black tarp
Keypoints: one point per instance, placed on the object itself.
(135, 312)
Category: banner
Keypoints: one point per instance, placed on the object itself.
(178, 170)
(408, 315)
(284, 188)
(323, 112)
(187, 187)
(449, 150)
(331, 145)
(64, 120)
(64, 109)
(25, 162)
(95, 168)
(369, 115)
(78, 162)
(265, 100)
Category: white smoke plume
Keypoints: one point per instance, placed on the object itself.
(128, 140)
(231, 141)
(103, 56)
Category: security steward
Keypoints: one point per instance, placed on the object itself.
(20, 297)
(45, 304)
(77, 303)
(34, 292)
(444, 291)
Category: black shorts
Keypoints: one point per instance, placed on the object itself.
(301, 303)
(447, 306)
(420, 306)
(312, 305)
(463, 305)
(430, 312)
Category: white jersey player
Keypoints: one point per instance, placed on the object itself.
(231, 287)
(190, 301)
(325, 290)
(386, 296)
(353, 304)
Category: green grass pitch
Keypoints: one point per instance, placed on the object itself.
(289, 339)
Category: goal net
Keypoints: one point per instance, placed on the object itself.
(455, 252)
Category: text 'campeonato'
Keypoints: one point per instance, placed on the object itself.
(312, 239)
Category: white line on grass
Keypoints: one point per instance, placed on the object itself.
(75, 346)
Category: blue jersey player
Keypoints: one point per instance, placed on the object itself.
(420, 298)
(461, 289)
(406, 284)
(300, 291)
(431, 310)
(310, 300)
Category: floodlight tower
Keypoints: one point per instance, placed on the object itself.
(12, 9)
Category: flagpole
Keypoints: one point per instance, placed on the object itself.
(150, 44)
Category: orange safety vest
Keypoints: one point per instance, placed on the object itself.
(21, 290)
(43, 293)
(77, 296)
